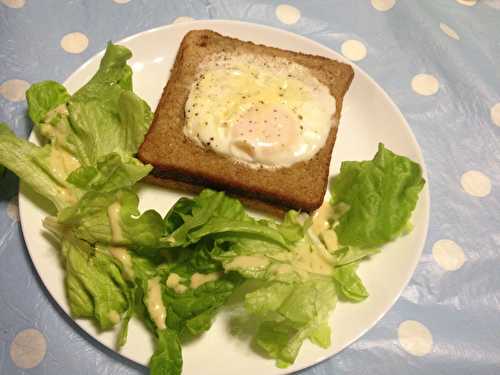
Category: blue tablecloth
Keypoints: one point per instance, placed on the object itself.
(439, 60)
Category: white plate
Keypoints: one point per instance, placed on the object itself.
(368, 117)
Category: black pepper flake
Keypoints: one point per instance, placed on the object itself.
(301, 127)
(211, 138)
(300, 117)
(196, 114)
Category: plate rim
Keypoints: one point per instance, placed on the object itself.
(424, 199)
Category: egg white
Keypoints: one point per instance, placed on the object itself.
(265, 111)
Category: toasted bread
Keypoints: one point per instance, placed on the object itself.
(182, 164)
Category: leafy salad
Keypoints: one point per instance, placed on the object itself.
(175, 273)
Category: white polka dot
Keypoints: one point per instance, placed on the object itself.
(448, 254)
(383, 5)
(13, 209)
(415, 338)
(121, 1)
(28, 348)
(287, 14)
(183, 19)
(449, 31)
(425, 84)
(14, 90)
(74, 42)
(354, 50)
(476, 183)
(495, 114)
(14, 3)
(469, 3)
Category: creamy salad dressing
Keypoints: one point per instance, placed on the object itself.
(123, 256)
(313, 260)
(198, 279)
(281, 268)
(320, 217)
(174, 282)
(114, 316)
(330, 239)
(154, 303)
(67, 195)
(62, 163)
(114, 221)
(248, 261)
(55, 131)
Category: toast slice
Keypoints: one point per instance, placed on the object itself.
(182, 164)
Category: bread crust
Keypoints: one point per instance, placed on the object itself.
(176, 158)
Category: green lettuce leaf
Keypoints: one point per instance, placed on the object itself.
(265, 260)
(105, 114)
(167, 358)
(113, 70)
(191, 310)
(349, 285)
(290, 314)
(95, 286)
(44, 97)
(89, 220)
(298, 290)
(114, 171)
(41, 168)
(213, 214)
(381, 195)
(351, 254)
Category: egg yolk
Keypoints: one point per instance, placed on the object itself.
(263, 134)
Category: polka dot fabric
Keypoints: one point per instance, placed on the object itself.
(437, 61)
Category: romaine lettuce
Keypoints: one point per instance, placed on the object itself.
(381, 195)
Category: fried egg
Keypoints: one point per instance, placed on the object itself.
(265, 111)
